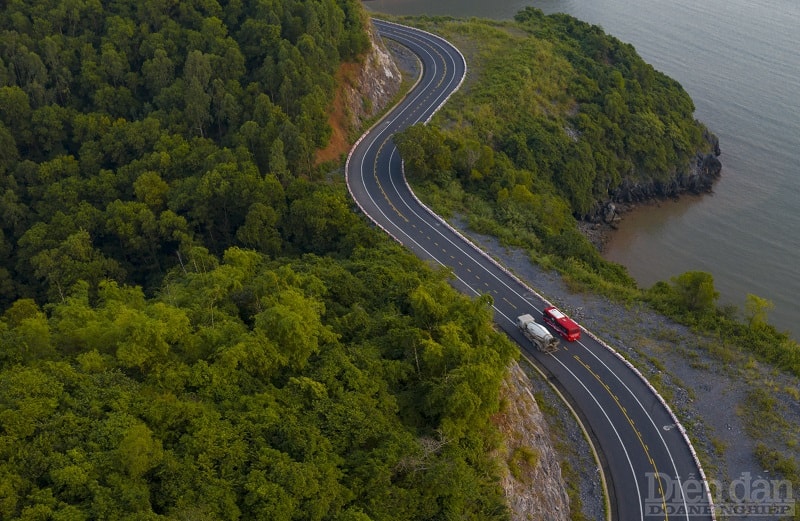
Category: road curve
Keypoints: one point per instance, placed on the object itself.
(650, 467)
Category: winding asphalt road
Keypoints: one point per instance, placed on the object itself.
(650, 467)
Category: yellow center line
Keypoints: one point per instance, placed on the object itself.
(633, 426)
(378, 181)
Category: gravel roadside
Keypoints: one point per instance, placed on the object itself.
(711, 394)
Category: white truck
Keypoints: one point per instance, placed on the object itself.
(537, 334)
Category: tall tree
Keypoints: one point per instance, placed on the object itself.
(196, 76)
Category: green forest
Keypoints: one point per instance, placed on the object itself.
(194, 323)
(133, 133)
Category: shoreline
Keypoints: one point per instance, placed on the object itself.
(699, 179)
(600, 233)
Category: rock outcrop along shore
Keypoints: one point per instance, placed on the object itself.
(698, 177)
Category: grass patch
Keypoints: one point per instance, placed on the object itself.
(776, 461)
(522, 461)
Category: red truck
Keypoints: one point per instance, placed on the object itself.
(564, 326)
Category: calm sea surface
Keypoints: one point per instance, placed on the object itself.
(740, 62)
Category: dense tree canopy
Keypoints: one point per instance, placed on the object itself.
(131, 132)
(254, 389)
(194, 324)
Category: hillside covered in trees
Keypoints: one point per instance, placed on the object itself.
(132, 131)
(194, 324)
(558, 118)
(558, 106)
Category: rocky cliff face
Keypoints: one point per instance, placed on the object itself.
(532, 478)
(376, 83)
(364, 89)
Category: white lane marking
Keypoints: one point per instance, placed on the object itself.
(627, 456)
(652, 422)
